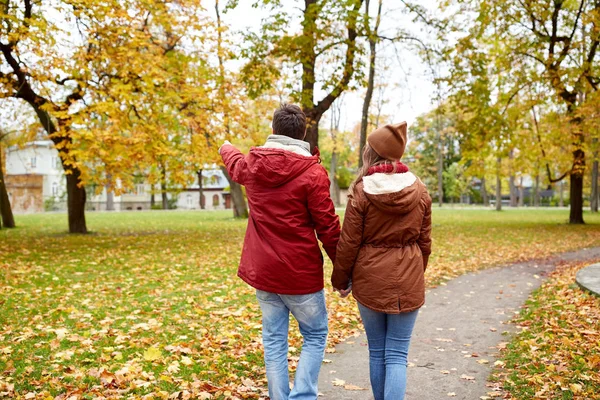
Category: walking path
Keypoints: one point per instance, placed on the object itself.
(456, 337)
(589, 278)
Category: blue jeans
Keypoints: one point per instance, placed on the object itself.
(311, 314)
(389, 338)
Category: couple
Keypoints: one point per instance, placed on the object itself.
(380, 255)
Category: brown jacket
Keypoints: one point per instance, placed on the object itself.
(385, 243)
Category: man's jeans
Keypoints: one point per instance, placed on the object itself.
(311, 314)
(389, 338)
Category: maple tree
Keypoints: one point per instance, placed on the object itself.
(94, 73)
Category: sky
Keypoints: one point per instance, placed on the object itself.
(409, 91)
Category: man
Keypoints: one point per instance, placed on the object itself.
(288, 193)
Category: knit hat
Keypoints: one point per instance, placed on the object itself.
(389, 141)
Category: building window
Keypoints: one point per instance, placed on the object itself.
(189, 200)
(140, 189)
(54, 189)
(216, 200)
(56, 162)
(33, 162)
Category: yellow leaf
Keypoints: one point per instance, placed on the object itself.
(353, 387)
(152, 353)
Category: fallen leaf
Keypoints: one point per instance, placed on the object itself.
(353, 387)
(338, 382)
(152, 353)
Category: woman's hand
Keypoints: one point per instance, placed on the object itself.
(345, 292)
(227, 142)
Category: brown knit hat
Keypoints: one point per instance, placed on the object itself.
(389, 141)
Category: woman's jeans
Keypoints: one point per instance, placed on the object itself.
(311, 314)
(389, 337)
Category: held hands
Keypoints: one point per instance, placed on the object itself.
(345, 292)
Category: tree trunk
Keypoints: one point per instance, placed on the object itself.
(576, 189)
(163, 194)
(163, 188)
(76, 198)
(521, 194)
(110, 199)
(312, 130)
(200, 190)
(484, 193)
(152, 197)
(576, 194)
(594, 197)
(513, 191)
(334, 188)
(511, 181)
(8, 219)
(240, 208)
(110, 196)
(364, 123)
(498, 185)
(536, 195)
(440, 169)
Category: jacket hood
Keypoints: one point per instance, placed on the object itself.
(393, 193)
(276, 164)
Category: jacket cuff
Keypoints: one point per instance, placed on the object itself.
(339, 282)
(425, 261)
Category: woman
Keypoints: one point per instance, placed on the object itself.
(382, 255)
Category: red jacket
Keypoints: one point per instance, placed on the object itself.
(289, 200)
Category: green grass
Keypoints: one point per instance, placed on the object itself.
(78, 312)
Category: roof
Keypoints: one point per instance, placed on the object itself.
(48, 144)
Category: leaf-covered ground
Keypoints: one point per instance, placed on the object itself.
(149, 304)
(557, 353)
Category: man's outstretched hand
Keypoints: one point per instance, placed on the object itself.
(227, 142)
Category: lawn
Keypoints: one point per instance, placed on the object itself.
(149, 304)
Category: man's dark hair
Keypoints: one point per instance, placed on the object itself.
(289, 120)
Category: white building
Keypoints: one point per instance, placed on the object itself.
(215, 192)
(34, 176)
(36, 182)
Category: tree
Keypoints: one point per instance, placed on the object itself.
(434, 147)
(455, 181)
(84, 91)
(328, 37)
(555, 43)
(240, 208)
(372, 36)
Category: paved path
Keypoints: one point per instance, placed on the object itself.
(458, 330)
(589, 278)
